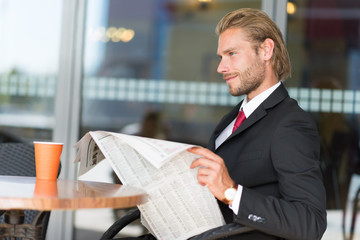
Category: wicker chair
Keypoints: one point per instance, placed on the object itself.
(18, 159)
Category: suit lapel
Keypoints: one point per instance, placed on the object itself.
(224, 122)
(227, 119)
(261, 111)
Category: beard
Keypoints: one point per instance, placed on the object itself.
(249, 79)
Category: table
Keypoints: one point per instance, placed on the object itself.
(20, 193)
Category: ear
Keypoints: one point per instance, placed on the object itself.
(267, 48)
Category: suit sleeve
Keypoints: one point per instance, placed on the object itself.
(300, 212)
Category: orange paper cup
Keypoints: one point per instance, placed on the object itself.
(47, 159)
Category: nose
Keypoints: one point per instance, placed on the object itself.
(223, 67)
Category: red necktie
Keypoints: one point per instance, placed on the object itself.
(239, 119)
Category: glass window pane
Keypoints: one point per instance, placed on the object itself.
(29, 49)
(150, 69)
(157, 58)
(324, 46)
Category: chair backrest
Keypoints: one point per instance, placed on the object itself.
(18, 159)
(350, 213)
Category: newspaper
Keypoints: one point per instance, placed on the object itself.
(177, 206)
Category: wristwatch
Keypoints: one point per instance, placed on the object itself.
(230, 194)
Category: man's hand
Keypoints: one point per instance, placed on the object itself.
(212, 172)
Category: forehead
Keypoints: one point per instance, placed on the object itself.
(232, 38)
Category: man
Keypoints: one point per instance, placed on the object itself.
(265, 174)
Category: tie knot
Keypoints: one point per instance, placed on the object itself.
(239, 119)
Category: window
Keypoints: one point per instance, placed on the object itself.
(150, 69)
(323, 42)
(29, 49)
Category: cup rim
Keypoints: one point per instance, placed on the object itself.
(53, 143)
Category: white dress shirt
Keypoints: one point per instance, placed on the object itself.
(248, 108)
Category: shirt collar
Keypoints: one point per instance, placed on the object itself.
(250, 106)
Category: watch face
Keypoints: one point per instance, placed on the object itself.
(230, 194)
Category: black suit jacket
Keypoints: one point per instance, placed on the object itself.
(274, 155)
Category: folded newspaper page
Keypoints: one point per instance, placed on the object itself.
(177, 206)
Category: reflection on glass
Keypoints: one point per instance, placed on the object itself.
(324, 44)
(160, 58)
(151, 70)
(46, 188)
(29, 49)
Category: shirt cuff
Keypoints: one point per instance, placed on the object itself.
(236, 202)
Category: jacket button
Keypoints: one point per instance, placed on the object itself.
(252, 217)
(255, 218)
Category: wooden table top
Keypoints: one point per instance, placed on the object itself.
(29, 193)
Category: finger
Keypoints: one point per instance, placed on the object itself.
(206, 177)
(204, 162)
(204, 172)
(205, 152)
(201, 180)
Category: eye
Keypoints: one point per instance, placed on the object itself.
(231, 53)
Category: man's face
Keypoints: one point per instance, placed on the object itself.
(242, 69)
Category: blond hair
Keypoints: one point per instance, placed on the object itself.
(258, 26)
